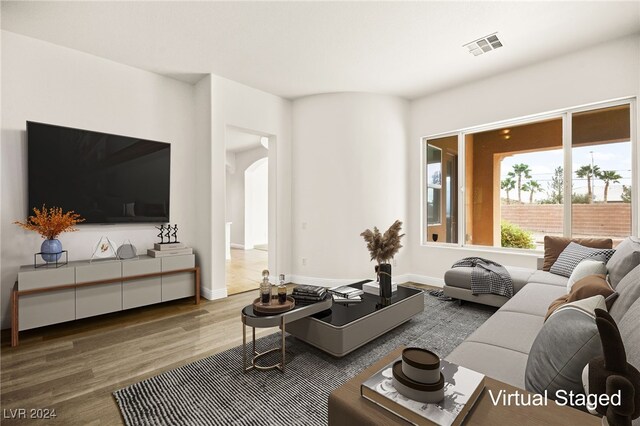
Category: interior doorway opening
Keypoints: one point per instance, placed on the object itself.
(247, 209)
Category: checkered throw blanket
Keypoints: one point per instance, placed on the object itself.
(487, 276)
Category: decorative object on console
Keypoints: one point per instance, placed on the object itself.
(610, 374)
(49, 223)
(127, 251)
(383, 247)
(168, 232)
(167, 250)
(458, 386)
(104, 250)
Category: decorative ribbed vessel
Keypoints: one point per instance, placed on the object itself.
(51, 250)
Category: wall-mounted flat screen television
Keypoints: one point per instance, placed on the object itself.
(103, 177)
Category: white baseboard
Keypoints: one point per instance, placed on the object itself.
(237, 246)
(332, 282)
(217, 293)
(423, 279)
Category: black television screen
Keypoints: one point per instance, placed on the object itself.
(103, 177)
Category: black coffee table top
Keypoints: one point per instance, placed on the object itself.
(342, 314)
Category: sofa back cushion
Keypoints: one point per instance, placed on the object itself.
(553, 246)
(628, 327)
(626, 257)
(628, 293)
(573, 254)
(565, 344)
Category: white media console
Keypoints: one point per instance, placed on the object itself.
(46, 295)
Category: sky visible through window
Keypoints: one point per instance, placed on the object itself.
(611, 156)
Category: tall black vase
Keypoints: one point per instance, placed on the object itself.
(384, 273)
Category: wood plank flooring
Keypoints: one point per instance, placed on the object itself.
(244, 270)
(74, 367)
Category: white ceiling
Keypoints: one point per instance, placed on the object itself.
(294, 49)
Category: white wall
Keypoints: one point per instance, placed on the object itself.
(47, 83)
(602, 72)
(349, 174)
(202, 187)
(256, 195)
(236, 105)
(236, 187)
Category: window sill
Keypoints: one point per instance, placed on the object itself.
(496, 250)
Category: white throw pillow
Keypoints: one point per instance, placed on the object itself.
(588, 266)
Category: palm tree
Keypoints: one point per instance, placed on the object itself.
(519, 171)
(508, 184)
(608, 176)
(531, 187)
(588, 171)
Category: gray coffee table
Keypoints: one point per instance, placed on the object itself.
(255, 320)
(344, 328)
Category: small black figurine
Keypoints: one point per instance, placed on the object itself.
(161, 234)
(174, 234)
(168, 233)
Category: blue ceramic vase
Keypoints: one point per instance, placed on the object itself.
(51, 250)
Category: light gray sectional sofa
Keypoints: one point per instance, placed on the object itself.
(500, 347)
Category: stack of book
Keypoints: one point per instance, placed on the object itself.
(461, 390)
(346, 294)
(374, 288)
(169, 249)
(308, 294)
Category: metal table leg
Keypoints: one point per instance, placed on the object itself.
(255, 355)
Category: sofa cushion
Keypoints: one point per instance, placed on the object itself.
(589, 286)
(573, 254)
(509, 330)
(499, 363)
(628, 293)
(567, 342)
(553, 246)
(534, 299)
(626, 257)
(544, 277)
(461, 277)
(628, 327)
(588, 266)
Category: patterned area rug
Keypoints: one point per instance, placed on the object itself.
(214, 391)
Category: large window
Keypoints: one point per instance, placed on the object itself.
(565, 174)
(440, 181)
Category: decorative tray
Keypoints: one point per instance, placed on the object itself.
(275, 307)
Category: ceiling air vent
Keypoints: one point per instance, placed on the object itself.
(484, 44)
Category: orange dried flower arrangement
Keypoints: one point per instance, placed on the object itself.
(51, 222)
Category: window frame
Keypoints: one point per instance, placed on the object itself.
(566, 114)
